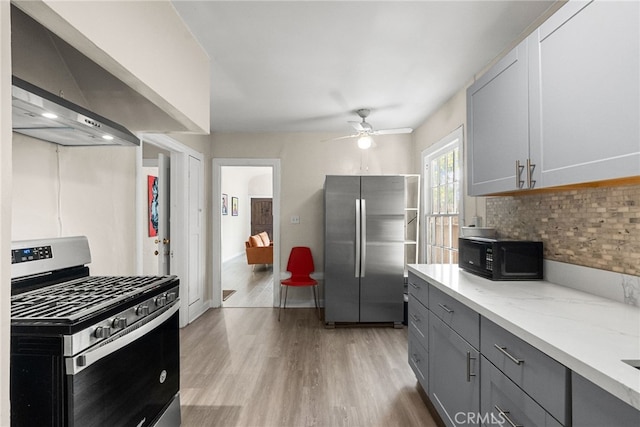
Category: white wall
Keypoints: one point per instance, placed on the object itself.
(68, 191)
(5, 205)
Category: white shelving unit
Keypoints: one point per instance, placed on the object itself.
(411, 219)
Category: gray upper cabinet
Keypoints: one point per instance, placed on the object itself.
(498, 125)
(585, 93)
(564, 104)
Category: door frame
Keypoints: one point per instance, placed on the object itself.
(216, 229)
(179, 217)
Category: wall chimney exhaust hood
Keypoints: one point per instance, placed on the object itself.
(43, 115)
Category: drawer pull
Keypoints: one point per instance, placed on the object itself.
(415, 318)
(504, 351)
(504, 415)
(414, 286)
(469, 359)
(415, 359)
(445, 308)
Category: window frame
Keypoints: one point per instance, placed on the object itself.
(453, 140)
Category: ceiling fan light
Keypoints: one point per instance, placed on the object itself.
(364, 142)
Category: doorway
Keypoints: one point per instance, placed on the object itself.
(183, 250)
(223, 225)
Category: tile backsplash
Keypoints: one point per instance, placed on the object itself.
(592, 227)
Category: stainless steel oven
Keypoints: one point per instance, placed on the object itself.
(87, 350)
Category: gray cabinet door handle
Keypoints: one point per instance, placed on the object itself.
(469, 359)
(445, 308)
(506, 417)
(504, 351)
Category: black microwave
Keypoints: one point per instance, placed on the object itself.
(501, 259)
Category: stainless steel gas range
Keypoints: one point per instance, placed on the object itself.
(89, 350)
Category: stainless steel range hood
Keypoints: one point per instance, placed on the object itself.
(43, 115)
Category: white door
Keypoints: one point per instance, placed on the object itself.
(196, 279)
(164, 215)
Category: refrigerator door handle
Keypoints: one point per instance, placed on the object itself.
(357, 260)
(363, 232)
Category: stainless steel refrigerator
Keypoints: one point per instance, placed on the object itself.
(364, 249)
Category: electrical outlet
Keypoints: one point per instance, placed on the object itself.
(295, 219)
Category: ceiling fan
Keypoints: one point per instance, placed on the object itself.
(365, 130)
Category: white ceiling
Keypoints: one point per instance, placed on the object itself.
(305, 66)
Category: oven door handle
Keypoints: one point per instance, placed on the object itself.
(87, 358)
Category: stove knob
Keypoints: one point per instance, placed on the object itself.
(142, 310)
(161, 301)
(120, 322)
(171, 296)
(102, 332)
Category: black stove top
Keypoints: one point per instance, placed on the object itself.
(71, 301)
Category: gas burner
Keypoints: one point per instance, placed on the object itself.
(80, 298)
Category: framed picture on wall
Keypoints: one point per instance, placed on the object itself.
(225, 204)
(234, 206)
(152, 203)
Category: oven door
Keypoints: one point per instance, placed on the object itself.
(129, 381)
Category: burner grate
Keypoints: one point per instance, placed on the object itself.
(80, 298)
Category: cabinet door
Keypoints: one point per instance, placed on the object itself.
(498, 129)
(504, 403)
(585, 93)
(454, 381)
(594, 407)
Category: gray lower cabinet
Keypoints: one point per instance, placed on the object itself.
(538, 375)
(594, 407)
(504, 403)
(418, 360)
(454, 383)
(476, 373)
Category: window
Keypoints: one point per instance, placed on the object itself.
(442, 171)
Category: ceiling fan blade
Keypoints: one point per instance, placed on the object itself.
(341, 137)
(392, 131)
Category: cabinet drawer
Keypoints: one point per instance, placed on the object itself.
(418, 319)
(419, 289)
(458, 316)
(418, 360)
(505, 403)
(540, 376)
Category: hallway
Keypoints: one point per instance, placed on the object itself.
(253, 285)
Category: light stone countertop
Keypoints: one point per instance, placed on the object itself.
(590, 335)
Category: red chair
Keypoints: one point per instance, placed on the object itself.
(300, 265)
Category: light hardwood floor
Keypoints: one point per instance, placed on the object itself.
(241, 367)
(253, 285)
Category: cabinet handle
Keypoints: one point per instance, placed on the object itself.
(414, 286)
(519, 169)
(415, 358)
(504, 415)
(504, 351)
(530, 168)
(445, 308)
(415, 318)
(469, 359)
